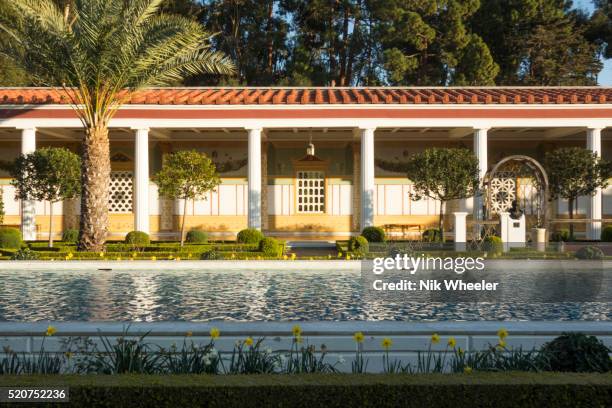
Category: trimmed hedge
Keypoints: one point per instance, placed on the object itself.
(10, 238)
(137, 239)
(606, 233)
(196, 237)
(589, 252)
(70, 236)
(249, 236)
(270, 247)
(561, 235)
(500, 390)
(374, 234)
(358, 245)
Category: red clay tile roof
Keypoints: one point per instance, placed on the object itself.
(332, 96)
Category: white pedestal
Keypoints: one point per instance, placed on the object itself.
(512, 231)
(460, 230)
(539, 237)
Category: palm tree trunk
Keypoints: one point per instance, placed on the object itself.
(50, 224)
(183, 223)
(95, 176)
(441, 221)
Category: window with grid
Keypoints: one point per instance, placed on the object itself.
(310, 192)
(121, 192)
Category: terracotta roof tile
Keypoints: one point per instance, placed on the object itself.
(331, 96)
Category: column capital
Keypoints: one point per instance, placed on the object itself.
(254, 129)
(485, 128)
(145, 128)
(24, 127)
(366, 128)
(596, 128)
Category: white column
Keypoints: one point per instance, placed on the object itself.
(254, 175)
(28, 207)
(141, 180)
(367, 177)
(480, 150)
(594, 228)
(460, 230)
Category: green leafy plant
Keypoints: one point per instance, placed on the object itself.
(10, 238)
(249, 236)
(211, 255)
(196, 237)
(25, 254)
(574, 172)
(443, 174)
(48, 174)
(358, 245)
(562, 235)
(63, 47)
(191, 359)
(493, 244)
(606, 233)
(374, 234)
(431, 235)
(249, 357)
(589, 252)
(70, 236)
(186, 175)
(137, 240)
(576, 352)
(270, 247)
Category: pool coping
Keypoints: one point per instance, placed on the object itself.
(310, 328)
(343, 265)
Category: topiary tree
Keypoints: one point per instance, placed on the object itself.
(443, 174)
(249, 236)
(374, 234)
(574, 172)
(10, 238)
(138, 240)
(270, 247)
(186, 175)
(358, 245)
(48, 174)
(606, 234)
(576, 353)
(197, 237)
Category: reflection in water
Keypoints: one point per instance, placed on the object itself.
(251, 296)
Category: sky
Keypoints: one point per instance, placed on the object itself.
(605, 76)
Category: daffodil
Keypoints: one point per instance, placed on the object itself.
(452, 342)
(348, 257)
(501, 344)
(285, 257)
(435, 338)
(214, 333)
(502, 333)
(101, 254)
(248, 341)
(358, 337)
(134, 254)
(296, 330)
(386, 343)
(293, 256)
(68, 355)
(50, 331)
(189, 334)
(467, 370)
(153, 258)
(339, 254)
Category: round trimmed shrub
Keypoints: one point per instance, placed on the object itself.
(10, 238)
(211, 255)
(606, 234)
(137, 239)
(358, 245)
(374, 234)
(70, 236)
(493, 244)
(270, 247)
(561, 235)
(431, 235)
(589, 252)
(250, 236)
(196, 237)
(576, 352)
(25, 254)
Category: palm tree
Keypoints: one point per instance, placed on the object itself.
(98, 52)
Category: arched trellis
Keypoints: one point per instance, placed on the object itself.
(500, 181)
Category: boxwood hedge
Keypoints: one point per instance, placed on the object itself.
(475, 390)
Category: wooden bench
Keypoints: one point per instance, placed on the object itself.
(393, 231)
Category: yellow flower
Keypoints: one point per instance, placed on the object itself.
(248, 341)
(467, 370)
(296, 330)
(67, 258)
(178, 258)
(358, 337)
(101, 254)
(298, 339)
(285, 257)
(118, 258)
(189, 334)
(134, 254)
(452, 342)
(502, 333)
(50, 331)
(233, 255)
(293, 256)
(460, 351)
(214, 333)
(189, 255)
(386, 343)
(68, 355)
(501, 344)
(169, 257)
(153, 258)
(348, 257)
(339, 254)
(435, 338)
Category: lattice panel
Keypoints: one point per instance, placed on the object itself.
(503, 192)
(310, 192)
(121, 192)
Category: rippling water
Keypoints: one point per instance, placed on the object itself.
(253, 296)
